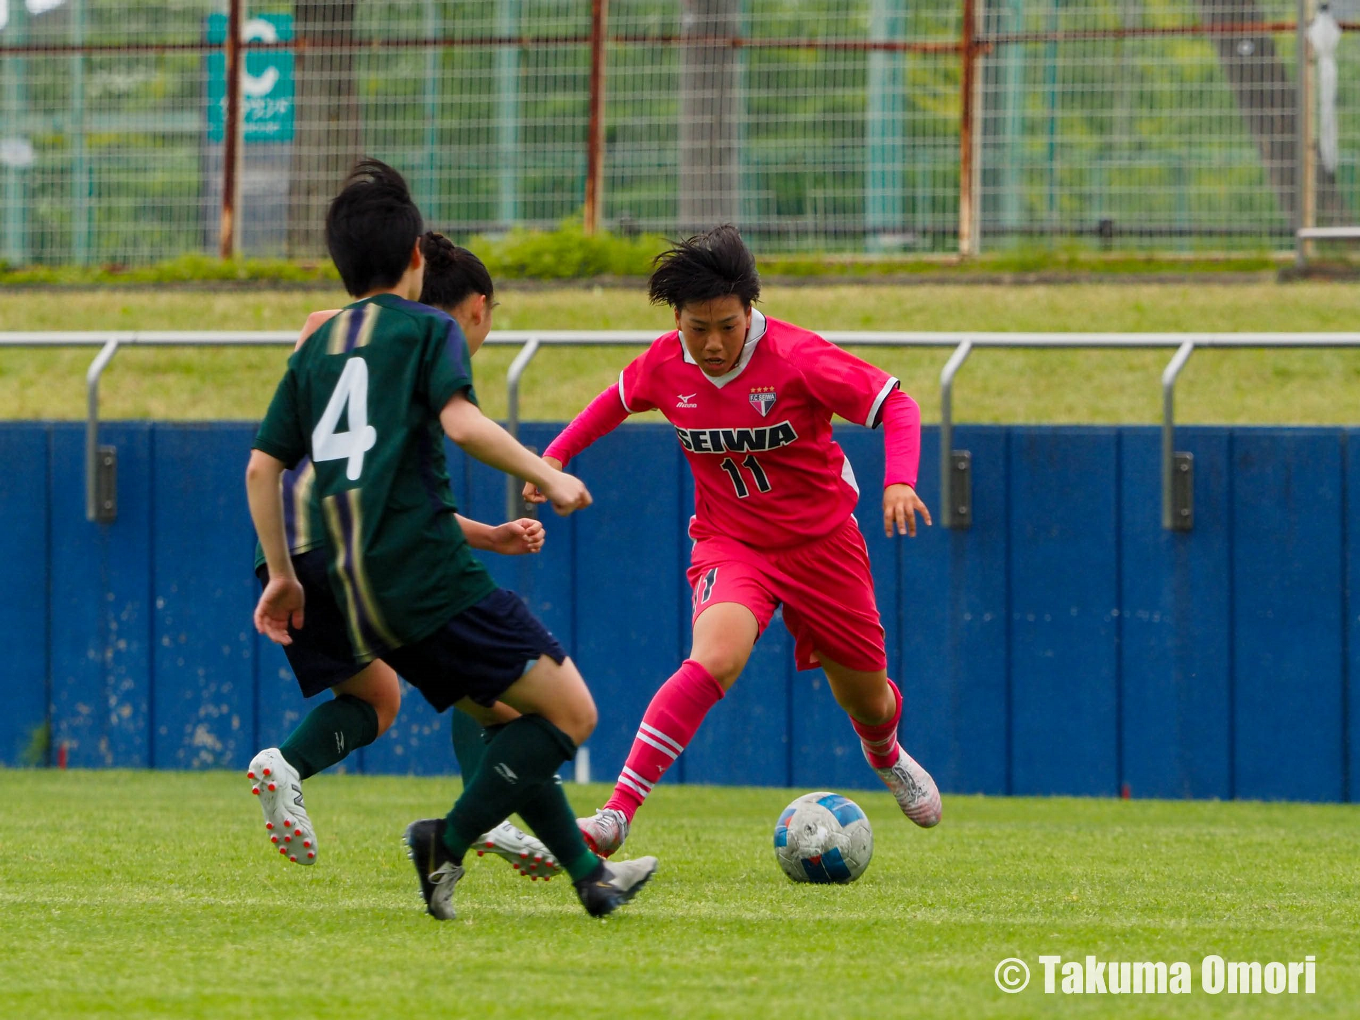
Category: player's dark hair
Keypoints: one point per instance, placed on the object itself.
(704, 267)
(371, 227)
(451, 273)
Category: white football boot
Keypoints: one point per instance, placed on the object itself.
(604, 831)
(916, 793)
(525, 853)
(279, 788)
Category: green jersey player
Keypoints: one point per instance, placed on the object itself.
(366, 398)
(366, 697)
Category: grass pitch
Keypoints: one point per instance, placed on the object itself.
(1266, 387)
(139, 894)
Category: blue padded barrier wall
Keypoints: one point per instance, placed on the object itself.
(25, 555)
(1064, 644)
(1175, 648)
(1063, 611)
(101, 604)
(1287, 590)
(1351, 606)
(203, 683)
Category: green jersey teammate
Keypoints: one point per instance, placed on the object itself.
(366, 697)
(366, 398)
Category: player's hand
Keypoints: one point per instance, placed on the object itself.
(900, 507)
(531, 492)
(280, 604)
(567, 493)
(515, 538)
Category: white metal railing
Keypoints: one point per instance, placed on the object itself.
(1177, 467)
(1328, 233)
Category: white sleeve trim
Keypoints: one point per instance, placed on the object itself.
(888, 387)
(622, 399)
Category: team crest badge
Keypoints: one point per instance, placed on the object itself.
(762, 399)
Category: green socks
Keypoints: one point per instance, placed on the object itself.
(469, 744)
(522, 755)
(548, 813)
(544, 808)
(330, 732)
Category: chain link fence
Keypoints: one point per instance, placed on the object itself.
(853, 125)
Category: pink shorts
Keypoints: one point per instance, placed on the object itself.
(825, 586)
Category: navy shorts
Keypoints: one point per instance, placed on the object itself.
(478, 653)
(321, 655)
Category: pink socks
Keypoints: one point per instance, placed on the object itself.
(673, 717)
(880, 742)
(667, 727)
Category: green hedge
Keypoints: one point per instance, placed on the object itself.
(568, 254)
(195, 268)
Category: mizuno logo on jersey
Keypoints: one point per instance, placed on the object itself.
(686, 400)
(769, 437)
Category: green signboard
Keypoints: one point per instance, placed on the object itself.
(266, 85)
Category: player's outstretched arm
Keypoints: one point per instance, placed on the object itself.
(513, 538)
(281, 602)
(601, 416)
(464, 423)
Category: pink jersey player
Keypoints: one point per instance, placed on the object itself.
(758, 439)
(751, 399)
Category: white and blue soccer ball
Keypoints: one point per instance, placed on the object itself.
(823, 837)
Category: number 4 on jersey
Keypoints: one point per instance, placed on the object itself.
(327, 444)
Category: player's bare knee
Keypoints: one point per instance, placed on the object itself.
(386, 701)
(498, 715)
(584, 716)
(865, 696)
(724, 663)
(576, 719)
(726, 671)
(866, 717)
(572, 709)
(387, 713)
(585, 725)
(724, 635)
(377, 685)
(870, 708)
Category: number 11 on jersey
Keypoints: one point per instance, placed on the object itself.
(757, 474)
(327, 444)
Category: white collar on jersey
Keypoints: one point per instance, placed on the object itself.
(753, 337)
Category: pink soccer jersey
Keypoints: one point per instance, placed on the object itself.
(758, 439)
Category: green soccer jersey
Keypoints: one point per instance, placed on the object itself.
(361, 399)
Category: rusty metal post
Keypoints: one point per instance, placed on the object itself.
(712, 107)
(231, 133)
(599, 17)
(968, 211)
